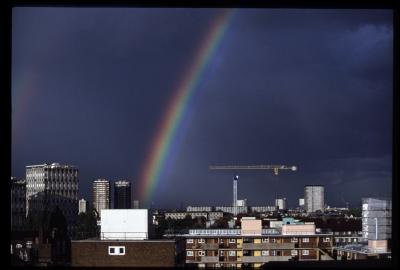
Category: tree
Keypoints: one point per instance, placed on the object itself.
(87, 225)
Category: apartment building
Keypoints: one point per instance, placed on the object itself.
(253, 245)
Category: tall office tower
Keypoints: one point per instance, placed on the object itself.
(83, 206)
(18, 203)
(49, 186)
(235, 178)
(376, 219)
(122, 195)
(314, 198)
(280, 203)
(101, 195)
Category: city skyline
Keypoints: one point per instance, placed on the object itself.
(310, 88)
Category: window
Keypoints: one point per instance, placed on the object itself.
(221, 253)
(355, 240)
(349, 240)
(294, 240)
(273, 253)
(306, 240)
(189, 253)
(265, 240)
(189, 241)
(265, 253)
(201, 253)
(305, 252)
(232, 253)
(294, 252)
(273, 240)
(232, 240)
(201, 240)
(116, 250)
(326, 239)
(221, 241)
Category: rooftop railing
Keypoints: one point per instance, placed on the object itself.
(123, 235)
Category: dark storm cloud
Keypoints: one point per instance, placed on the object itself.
(305, 87)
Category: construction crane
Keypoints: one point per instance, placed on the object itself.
(275, 168)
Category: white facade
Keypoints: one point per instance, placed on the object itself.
(198, 208)
(314, 198)
(124, 224)
(231, 209)
(242, 202)
(301, 202)
(280, 203)
(82, 206)
(262, 209)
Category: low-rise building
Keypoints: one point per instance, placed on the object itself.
(125, 253)
(182, 215)
(262, 209)
(373, 249)
(232, 209)
(125, 241)
(199, 209)
(215, 215)
(252, 245)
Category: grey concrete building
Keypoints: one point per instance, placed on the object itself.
(376, 219)
(314, 198)
(52, 185)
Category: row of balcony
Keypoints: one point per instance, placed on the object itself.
(250, 246)
(244, 259)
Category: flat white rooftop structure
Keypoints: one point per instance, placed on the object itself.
(124, 224)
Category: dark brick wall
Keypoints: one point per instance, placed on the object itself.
(141, 253)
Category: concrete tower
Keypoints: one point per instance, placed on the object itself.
(235, 178)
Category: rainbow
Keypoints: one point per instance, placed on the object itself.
(178, 106)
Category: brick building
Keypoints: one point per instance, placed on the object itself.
(253, 246)
(122, 253)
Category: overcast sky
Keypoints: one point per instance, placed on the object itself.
(311, 88)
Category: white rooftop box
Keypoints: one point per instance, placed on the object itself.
(124, 224)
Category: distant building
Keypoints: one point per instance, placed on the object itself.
(280, 203)
(182, 215)
(242, 203)
(136, 204)
(49, 186)
(232, 209)
(83, 206)
(301, 202)
(122, 195)
(214, 215)
(262, 209)
(101, 195)
(376, 219)
(199, 208)
(18, 204)
(314, 198)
